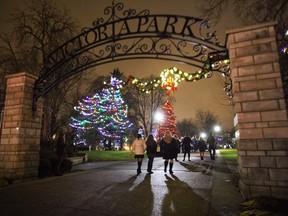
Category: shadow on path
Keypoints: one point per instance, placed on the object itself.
(133, 197)
(206, 167)
(182, 200)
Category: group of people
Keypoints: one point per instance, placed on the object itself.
(200, 145)
(170, 146)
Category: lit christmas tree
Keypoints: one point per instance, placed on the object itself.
(86, 114)
(106, 112)
(112, 111)
(169, 119)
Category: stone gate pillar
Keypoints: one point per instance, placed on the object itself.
(20, 135)
(260, 111)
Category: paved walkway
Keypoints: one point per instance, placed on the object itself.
(113, 188)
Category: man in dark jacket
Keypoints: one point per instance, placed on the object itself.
(186, 143)
(211, 141)
(178, 146)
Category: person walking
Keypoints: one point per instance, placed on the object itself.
(202, 147)
(151, 151)
(211, 141)
(186, 142)
(139, 147)
(169, 149)
(194, 145)
(178, 146)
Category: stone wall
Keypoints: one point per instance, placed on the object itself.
(20, 136)
(260, 111)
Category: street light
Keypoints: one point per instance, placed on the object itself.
(203, 135)
(158, 116)
(217, 128)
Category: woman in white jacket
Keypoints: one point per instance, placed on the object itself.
(139, 147)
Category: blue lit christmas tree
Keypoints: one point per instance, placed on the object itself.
(106, 112)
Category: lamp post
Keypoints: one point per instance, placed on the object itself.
(158, 117)
(217, 129)
(203, 135)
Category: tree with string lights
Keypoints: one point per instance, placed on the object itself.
(169, 119)
(106, 112)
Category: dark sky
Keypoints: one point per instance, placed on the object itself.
(205, 94)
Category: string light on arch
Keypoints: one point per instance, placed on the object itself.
(169, 80)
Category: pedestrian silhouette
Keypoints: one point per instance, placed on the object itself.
(211, 141)
(202, 147)
(178, 146)
(151, 151)
(186, 143)
(169, 149)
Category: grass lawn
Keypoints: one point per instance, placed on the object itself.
(108, 155)
(228, 154)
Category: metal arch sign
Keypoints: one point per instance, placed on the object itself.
(126, 34)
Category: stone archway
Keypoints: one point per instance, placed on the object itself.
(260, 115)
(123, 34)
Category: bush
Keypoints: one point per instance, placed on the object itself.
(71, 151)
(65, 166)
(44, 168)
(47, 149)
(82, 148)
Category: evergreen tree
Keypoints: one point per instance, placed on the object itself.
(169, 122)
(83, 121)
(106, 112)
(112, 111)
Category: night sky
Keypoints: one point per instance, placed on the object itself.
(205, 94)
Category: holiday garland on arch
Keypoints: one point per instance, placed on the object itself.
(169, 79)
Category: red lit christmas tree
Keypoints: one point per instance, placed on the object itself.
(169, 120)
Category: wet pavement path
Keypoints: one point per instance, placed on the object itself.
(113, 188)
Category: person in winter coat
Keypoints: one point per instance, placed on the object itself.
(139, 147)
(202, 147)
(151, 151)
(169, 149)
(186, 143)
(211, 141)
(178, 146)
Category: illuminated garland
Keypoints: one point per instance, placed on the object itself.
(217, 61)
(169, 80)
